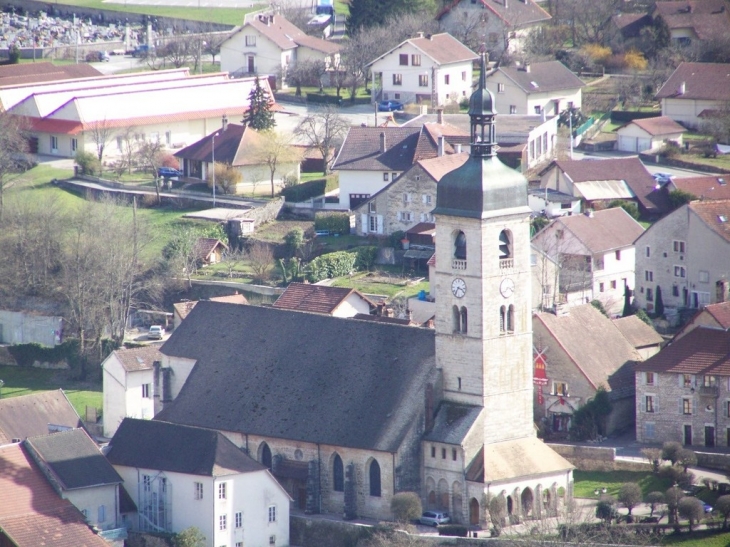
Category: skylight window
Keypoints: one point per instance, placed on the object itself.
(721, 181)
(534, 84)
(722, 218)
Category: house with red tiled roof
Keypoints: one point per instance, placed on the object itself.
(595, 257)
(713, 316)
(576, 353)
(649, 134)
(32, 513)
(702, 187)
(500, 25)
(431, 69)
(334, 301)
(694, 91)
(267, 44)
(691, 21)
(209, 250)
(683, 392)
(535, 88)
(597, 182)
(685, 257)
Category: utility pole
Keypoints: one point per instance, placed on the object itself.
(213, 154)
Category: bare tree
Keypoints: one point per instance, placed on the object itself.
(293, 12)
(226, 177)
(591, 20)
(13, 146)
(101, 133)
(151, 156)
(177, 51)
(130, 144)
(260, 259)
(274, 149)
(232, 260)
(306, 72)
(181, 254)
(323, 129)
(212, 41)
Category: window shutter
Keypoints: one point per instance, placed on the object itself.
(380, 224)
(400, 215)
(364, 220)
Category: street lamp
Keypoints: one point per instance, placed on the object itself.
(213, 154)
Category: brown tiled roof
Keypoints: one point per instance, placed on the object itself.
(709, 81)
(625, 20)
(638, 333)
(428, 228)
(361, 149)
(286, 35)
(605, 230)
(720, 312)
(134, 359)
(709, 19)
(547, 77)
(661, 125)
(205, 246)
(439, 166)
(715, 214)
(184, 308)
(230, 299)
(595, 345)
(315, 298)
(28, 73)
(29, 415)
(32, 513)
(701, 351)
(515, 14)
(704, 187)
(443, 48)
(630, 169)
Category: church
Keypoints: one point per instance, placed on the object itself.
(346, 413)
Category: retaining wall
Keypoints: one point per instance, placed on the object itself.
(597, 458)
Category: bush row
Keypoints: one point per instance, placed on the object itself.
(26, 354)
(304, 191)
(334, 223)
(341, 263)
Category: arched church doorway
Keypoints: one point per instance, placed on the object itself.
(527, 502)
(473, 512)
(510, 505)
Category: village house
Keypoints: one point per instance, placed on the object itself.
(36, 414)
(535, 88)
(580, 351)
(503, 24)
(334, 301)
(693, 21)
(187, 476)
(684, 258)
(595, 256)
(714, 316)
(267, 44)
(181, 310)
(695, 91)
(551, 203)
(683, 392)
(598, 182)
(702, 187)
(434, 69)
(649, 134)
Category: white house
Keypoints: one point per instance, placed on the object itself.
(695, 91)
(534, 88)
(649, 134)
(595, 256)
(552, 203)
(434, 69)
(182, 476)
(79, 472)
(128, 381)
(334, 301)
(268, 44)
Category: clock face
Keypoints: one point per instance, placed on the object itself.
(458, 287)
(507, 287)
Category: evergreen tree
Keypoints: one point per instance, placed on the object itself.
(259, 115)
(366, 14)
(627, 302)
(659, 308)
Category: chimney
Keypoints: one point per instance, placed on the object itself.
(682, 88)
(505, 4)
(382, 143)
(441, 145)
(224, 122)
(440, 115)
(419, 34)
(457, 148)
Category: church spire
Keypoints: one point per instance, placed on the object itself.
(482, 113)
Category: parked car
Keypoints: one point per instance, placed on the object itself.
(97, 57)
(168, 172)
(389, 106)
(434, 518)
(662, 178)
(156, 332)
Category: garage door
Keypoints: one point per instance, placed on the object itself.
(643, 144)
(627, 144)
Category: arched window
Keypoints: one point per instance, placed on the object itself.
(457, 319)
(463, 320)
(511, 318)
(505, 244)
(338, 474)
(374, 479)
(502, 319)
(266, 455)
(460, 246)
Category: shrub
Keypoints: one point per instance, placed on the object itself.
(13, 54)
(686, 458)
(305, 190)
(596, 53)
(293, 240)
(605, 508)
(365, 257)
(88, 163)
(677, 198)
(453, 530)
(26, 354)
(331, 265)
(671, 451)
(641, 314)
(654, 499)
(406, 506)
(629, 206)
(335, 223)
(634, 60)
(599, 306)
(690, 509)
(629, 495)
(394, 240)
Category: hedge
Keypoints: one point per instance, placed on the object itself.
(331, 265)
(454, 530)
(334, 223)
(365, 257)
(304, 191)
(323, 99)
(27, 354)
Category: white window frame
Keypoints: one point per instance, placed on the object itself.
(680, 271)
(198, 490)
(500, 88)
(54, 143)
(649, 403)
(564, 389)
(223, 523)
(678, 246)
(222, 490)
(146, 391)
(649, 378)
(238, 519)
(250, 40)
(272, 513)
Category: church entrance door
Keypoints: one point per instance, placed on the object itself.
(473, 512)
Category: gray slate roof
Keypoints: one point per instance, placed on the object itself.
(543, 77)
(301, 376)
(73, 458)
(453, 422)
(176, 448)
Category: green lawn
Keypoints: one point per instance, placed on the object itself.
(586, 482)
(698, 539)
(361, 282)
(27, 380)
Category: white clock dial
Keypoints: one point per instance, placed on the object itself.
(458, 287)
(507, 287)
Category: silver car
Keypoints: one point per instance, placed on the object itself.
(156, 332)
(434, 518)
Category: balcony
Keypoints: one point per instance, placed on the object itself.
(457, 264)
(506, 263)
(709, 391)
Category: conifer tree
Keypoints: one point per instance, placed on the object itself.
(259, 115)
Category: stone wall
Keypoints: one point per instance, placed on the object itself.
(713, 461)
(597, 458)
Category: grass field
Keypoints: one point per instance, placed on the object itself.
(27, 380)
(698, 539)
(365, 282)
(586, 482)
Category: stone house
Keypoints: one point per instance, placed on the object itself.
(434, 69)
(595, 256)
(683, 392)
(182, 476)
(714, 316)
(582, 350)
(649, 134)
(695, 91)
(535, 88)
(685, 256)
(334, 301)
(406, 201)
